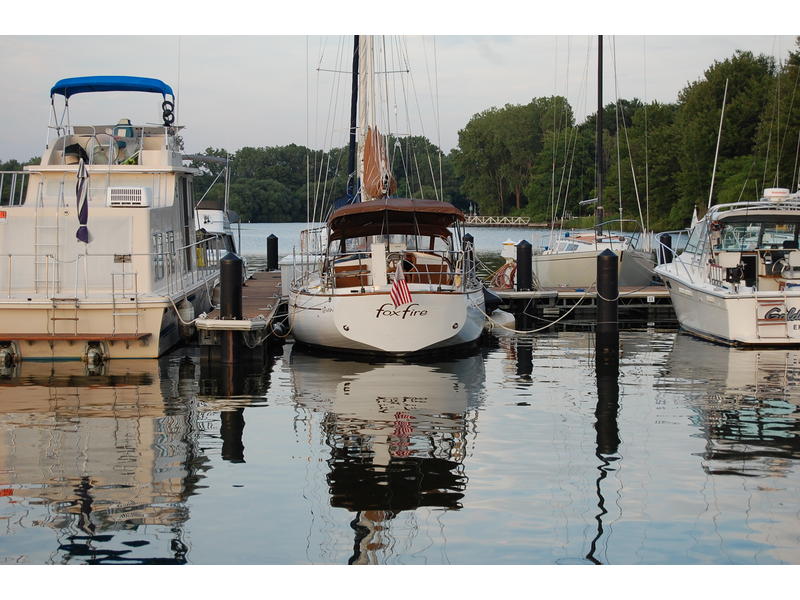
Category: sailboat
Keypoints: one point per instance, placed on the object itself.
(571, 260)
(395, 276)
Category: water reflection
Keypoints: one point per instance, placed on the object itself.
(606, 426)
(95, 456)
(397, 436)
(106, 457)
(746, 403)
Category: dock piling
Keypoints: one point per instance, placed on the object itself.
(524, 266)
(607, 292)
(272, 252)
(230, 306)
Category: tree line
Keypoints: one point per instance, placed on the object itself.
(534, 159)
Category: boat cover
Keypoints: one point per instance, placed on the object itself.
(393, 215)
(109, 83)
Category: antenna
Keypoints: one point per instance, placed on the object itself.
(719, 136)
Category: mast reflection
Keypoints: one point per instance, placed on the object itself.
(398, 435)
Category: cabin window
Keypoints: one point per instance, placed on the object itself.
(187, 223)
(169, 250)
(158, 256)
(358, 244)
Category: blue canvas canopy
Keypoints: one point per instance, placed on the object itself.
(109, 83)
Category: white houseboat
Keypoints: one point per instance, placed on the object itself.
(99, 255)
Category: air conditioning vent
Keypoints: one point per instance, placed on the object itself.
(128, 197)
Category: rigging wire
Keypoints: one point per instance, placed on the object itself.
(646, 155)
(789, 115)
(616, 117)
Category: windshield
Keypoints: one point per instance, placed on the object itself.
(752, 235)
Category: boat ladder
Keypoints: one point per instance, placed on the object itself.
(771, 327)
(122, 292)
(46, 249)
(58, 313)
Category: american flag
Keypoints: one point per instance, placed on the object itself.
(399, 292)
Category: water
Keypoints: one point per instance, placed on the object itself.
(487, 239)
(517, 453)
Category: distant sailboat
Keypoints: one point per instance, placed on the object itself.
(571, 260)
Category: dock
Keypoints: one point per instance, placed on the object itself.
(646, 304)
(261, 299)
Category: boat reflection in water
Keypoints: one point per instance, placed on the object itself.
(398, 435)
(107, 458)
(747, 402)
(96, 456)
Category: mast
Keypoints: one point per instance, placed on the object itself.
(598, 157)
(351, 157)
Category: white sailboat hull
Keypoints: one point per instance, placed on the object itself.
(758, 319)
(370, 322)
(579, 269)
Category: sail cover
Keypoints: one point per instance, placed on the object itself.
(378, 180)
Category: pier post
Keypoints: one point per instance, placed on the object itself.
(524, 266)
(272, 252)
(230, 306)
(665, 248)
(607, 292)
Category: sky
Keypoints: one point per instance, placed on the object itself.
(265, 90)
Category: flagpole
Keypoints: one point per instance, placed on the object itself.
(85, 270)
